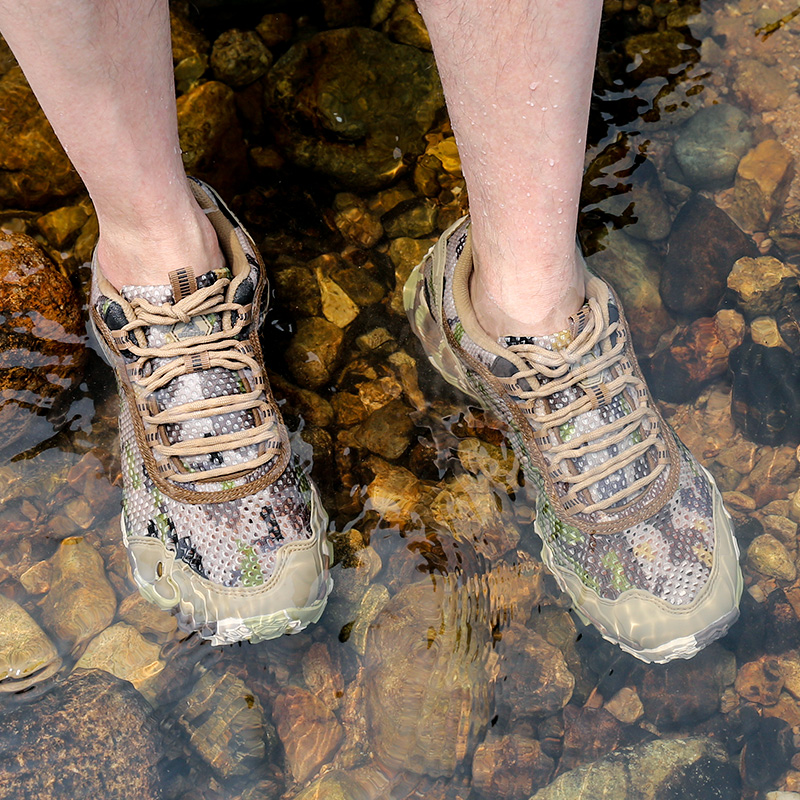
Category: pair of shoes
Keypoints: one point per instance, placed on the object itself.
(633, 528)
(219, 523)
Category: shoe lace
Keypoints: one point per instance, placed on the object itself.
(600, 346)
(221, 349)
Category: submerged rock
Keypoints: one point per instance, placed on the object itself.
(768, 417)
(27, 656)
(352, 104)
(309, 731)
(314, 351)
(34, 169)
(80, 602)
(427, 686)
(240, 57)
(90, 736)
(226, 725)
(761, 284)
(510, 767)
(41, 339)
(672, 768)
(632, 268)
(703, 246)
(710, 146)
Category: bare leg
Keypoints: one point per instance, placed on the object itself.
(102, 72)
(517, 76)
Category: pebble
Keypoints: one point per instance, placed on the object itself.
(757, 283)
(769, 557)
(510, 767)
(314, 351)
(625, 705)
(760, 681)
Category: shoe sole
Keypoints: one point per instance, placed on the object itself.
(446, 363)
(203, 606)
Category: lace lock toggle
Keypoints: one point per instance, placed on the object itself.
(596, 390)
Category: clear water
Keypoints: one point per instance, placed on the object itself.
(480, 683)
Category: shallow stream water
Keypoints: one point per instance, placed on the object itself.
(448, 666)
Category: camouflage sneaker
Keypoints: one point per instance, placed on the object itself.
(218, 521)
(633, 527)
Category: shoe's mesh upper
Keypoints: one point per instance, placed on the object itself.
(669, 555)
(232, 543)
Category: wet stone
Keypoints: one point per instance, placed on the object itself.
(697, 356)
(337, 306)
(703, 246)
(372, 101)
(225, 724)
(764, 331)
(124, 652)
(782, 528)
(760, 85)
(405, 253)
(34, 169)
(387, 431)
(766, 754)
(653, 771)
(27, 656)
(535, 680)
(314, 351)
(632, 268)
(298, 289)
(308, 730)
(766, 417)
(412, 219)
(208, 126)
(62, 225)
(189, 51)
(788, 319)
(83, 736)
(147, 618)
(404, 24)
(80, 602)
(625, 705)
(769, 557)
(240, 57)
(322, 676)
(41, 338)
(275, 29)
(510, 767)
(687, 692)
(394, 491)
(710, 146)
(760, 681)
(656, 54)
(426, 683)
(761, 186)
(758, 284)
(355, 221)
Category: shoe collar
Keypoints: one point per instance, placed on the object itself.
(595, 287)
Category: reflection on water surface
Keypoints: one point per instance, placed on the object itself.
(448, 666)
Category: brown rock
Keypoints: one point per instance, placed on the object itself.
(632, 268)
(394, 491)
(225, 724)
(63, 225)
(510, 767)
(82, 740)
(412, 219)
(781, 528)
(590, 733)
(313, 352)
(323, 679)
(687, 692)
(731, 327)
(147, 618)
(275, 29)
(625, 705)
(297, 288)
(308, 730)
(41, 337)
(189, 51)
(656, 54)
(80, 602)
(760, 681)
(757, 284)
(703, 246)
(769, 557)
(762, 183)
(313, 408)
(211, 138)
(405, 254)
(387, 431)
(534, 679)
(697, 356)
(352, 104)
(760, 85)
(355, 221)
(405, 25)
(34, 169)
(764, 331)
(348, 409)
(426, 683)
(240, 57)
